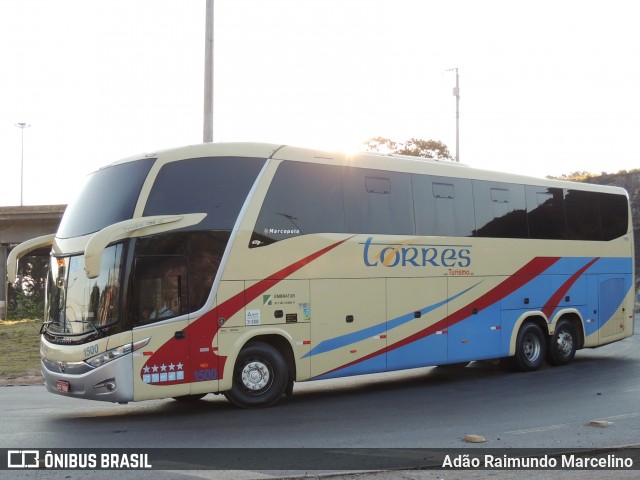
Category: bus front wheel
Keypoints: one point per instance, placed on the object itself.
(530, 348)
(259, 376)
(562, 344)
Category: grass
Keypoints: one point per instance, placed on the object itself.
(19, 347)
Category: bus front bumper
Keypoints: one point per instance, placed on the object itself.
(112, 382)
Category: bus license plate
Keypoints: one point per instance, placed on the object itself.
(63, 386)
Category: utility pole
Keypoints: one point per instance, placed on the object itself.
(456, 93)
(207, 131)
(22, 126)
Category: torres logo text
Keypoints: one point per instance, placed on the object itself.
(416, 255)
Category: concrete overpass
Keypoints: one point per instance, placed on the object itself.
(18, 224)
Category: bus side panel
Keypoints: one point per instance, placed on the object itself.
(223, 341)
(413, 305)
(161, 379)
(533, 295)
(348, 323)
(477, 335)
(529, 299)
(286, 304)
(206, 365)
(609, 302)
(611, 313)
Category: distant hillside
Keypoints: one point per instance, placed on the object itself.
(630, 181)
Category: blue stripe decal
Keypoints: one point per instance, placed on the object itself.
(349, 338)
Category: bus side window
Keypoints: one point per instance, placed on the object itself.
(159, 288)
(545, 213)
(377, 201)
(583, 215)
(443, 206)
(614, 216)
(303, 198)
(500, 209)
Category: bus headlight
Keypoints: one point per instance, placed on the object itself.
(117, 352)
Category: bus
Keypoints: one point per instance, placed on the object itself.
(241, 268)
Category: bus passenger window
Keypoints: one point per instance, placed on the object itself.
(614, 216)
(303, 198)
(500, 209)
(443, 206)
(582, 210)
(160, 288)
(545, 213)
(377, 201)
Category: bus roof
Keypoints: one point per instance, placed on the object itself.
(373, 160)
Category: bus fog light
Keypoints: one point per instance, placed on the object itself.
(109, 384)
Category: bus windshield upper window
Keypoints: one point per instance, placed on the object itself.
(109, 196)
(216, 186)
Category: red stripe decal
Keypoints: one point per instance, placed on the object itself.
(554, 301)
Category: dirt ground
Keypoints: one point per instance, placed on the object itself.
(29, 378)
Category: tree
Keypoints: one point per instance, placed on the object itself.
(377, 144)
(26, 297)
(415, 147)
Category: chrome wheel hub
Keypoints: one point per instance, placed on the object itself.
(564, 343)
(255, 376)
(531, 348)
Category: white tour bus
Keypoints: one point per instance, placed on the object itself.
(241, 268)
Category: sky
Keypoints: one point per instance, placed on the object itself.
(547, 87)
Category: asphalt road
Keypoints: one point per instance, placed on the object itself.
(592, 403)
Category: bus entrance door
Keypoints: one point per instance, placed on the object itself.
(162, 368)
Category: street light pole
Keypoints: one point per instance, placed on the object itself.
(22, 126)
(456, 93)
(207, 134)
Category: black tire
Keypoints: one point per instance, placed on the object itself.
(260, 377)
(562, 344)
(530, 348)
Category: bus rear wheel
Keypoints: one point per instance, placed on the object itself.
(259, 376)
(530, 348)
(562, 344)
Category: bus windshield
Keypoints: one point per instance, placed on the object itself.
(77, 305)
(90, 212)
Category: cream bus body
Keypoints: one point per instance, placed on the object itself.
(274, 264)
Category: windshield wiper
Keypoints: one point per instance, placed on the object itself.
(95, 329)
(43, 327)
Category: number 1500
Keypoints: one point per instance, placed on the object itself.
(204, 375)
